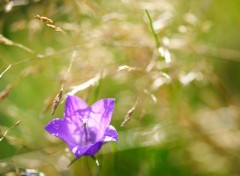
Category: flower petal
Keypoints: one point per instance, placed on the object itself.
(100, 116)
(73, 105)
(71, 132)
(94, 149)
(79, 151)
(58, 127)
(111, 134)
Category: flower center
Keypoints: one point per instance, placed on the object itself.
(88, 134)
(85, 130)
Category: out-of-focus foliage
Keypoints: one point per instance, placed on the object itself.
(177, 102)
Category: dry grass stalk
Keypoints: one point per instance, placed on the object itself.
(9, 66)
(56, 101)
(5, 133)
(5, 41)
(44, 19)
(129, 113)
(49, 23)
(6, 91)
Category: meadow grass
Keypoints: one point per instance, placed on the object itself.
(172, 66)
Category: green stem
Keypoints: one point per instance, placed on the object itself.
(152, 29)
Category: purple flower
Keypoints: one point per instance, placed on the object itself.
(84, 128)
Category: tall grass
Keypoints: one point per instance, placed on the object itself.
(172, 66)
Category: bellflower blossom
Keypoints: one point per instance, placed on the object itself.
(84, 128)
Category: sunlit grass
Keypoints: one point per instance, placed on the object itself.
(179, 113)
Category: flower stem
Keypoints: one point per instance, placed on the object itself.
(75, 159)
(95, 159)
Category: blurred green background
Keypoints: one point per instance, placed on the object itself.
(183, 92)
